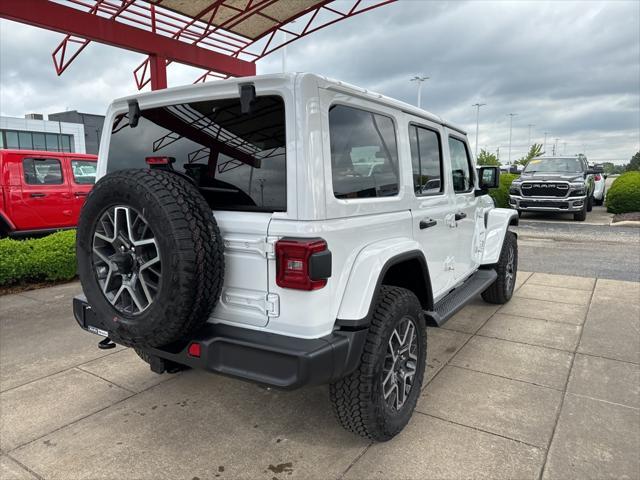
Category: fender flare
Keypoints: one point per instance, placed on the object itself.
(365, 278)
(497, 222)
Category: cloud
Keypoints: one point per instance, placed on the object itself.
(572, 69)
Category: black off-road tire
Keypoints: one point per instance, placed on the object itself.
(590, 203)
(190, 248)
(357, 399)
(501, 290)
(519, 213)
(581, 216)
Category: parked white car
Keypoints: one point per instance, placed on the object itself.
(236, 228)
(599, 181)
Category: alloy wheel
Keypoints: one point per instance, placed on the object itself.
(126, 260)
(400, 364)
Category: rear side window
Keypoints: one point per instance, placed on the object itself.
(84, 172)
(426, 160)
(364, 154)
(460, 166)
(236, 159)
(42, 171)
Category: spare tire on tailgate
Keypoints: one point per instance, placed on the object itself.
(150, 256)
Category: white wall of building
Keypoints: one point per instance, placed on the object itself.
(46, 126)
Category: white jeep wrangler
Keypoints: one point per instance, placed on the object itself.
(289, 230)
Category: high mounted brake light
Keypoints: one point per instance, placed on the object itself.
(302, 263)
(159, 160)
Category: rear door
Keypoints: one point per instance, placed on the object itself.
(45, 194)
(82, 173)
(237, 160)
(432, 208)
(465, 205)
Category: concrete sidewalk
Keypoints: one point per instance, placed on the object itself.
(547, 386)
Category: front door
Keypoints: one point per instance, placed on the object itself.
(465, 205)
(432, 207)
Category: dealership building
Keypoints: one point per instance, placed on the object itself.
(62, 132)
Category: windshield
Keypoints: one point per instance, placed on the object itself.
(554, 165)
(236, 159)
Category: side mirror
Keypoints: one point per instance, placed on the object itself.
(488, 177)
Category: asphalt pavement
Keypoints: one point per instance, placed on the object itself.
(555, 245)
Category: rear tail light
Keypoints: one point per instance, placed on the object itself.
(598, 177)
(194, 350)
(159, 160)
(302, 263)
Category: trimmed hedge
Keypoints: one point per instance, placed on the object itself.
(47, 259)
(500, 195)
(624, 194)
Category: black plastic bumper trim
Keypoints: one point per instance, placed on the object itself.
(261, 357)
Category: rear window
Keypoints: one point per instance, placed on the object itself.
(84, 172)
(237, 160)
(364, 155)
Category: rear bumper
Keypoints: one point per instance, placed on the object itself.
(261, 357)
(547, 204)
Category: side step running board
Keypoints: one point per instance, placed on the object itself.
(458, 298)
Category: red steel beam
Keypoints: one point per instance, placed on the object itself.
(52, 16)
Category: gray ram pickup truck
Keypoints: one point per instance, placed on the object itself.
(555, 185)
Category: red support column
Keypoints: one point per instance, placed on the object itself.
(158, 72)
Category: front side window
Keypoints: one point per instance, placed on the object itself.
(460, 166)
(237, 160)
(364, 153)
(42, 171)
(426, 160)
(84, 172)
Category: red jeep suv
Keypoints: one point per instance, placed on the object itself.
(42, 191)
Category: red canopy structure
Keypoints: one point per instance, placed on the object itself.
(224, 37)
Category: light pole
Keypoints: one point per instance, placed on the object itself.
(555, 146)
(544, 148)
(477, 105)
(530, 125)
(511, 115)
(420, 80)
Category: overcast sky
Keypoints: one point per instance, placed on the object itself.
(570, 68)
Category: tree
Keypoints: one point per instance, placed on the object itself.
(634, 163)
(613, 169)
(534, 151)
(487, 158)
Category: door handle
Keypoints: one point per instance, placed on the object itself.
(427, 223)
(460, 216)
(80, 194)
(38, 195)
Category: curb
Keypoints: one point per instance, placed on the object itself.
(626, 223)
